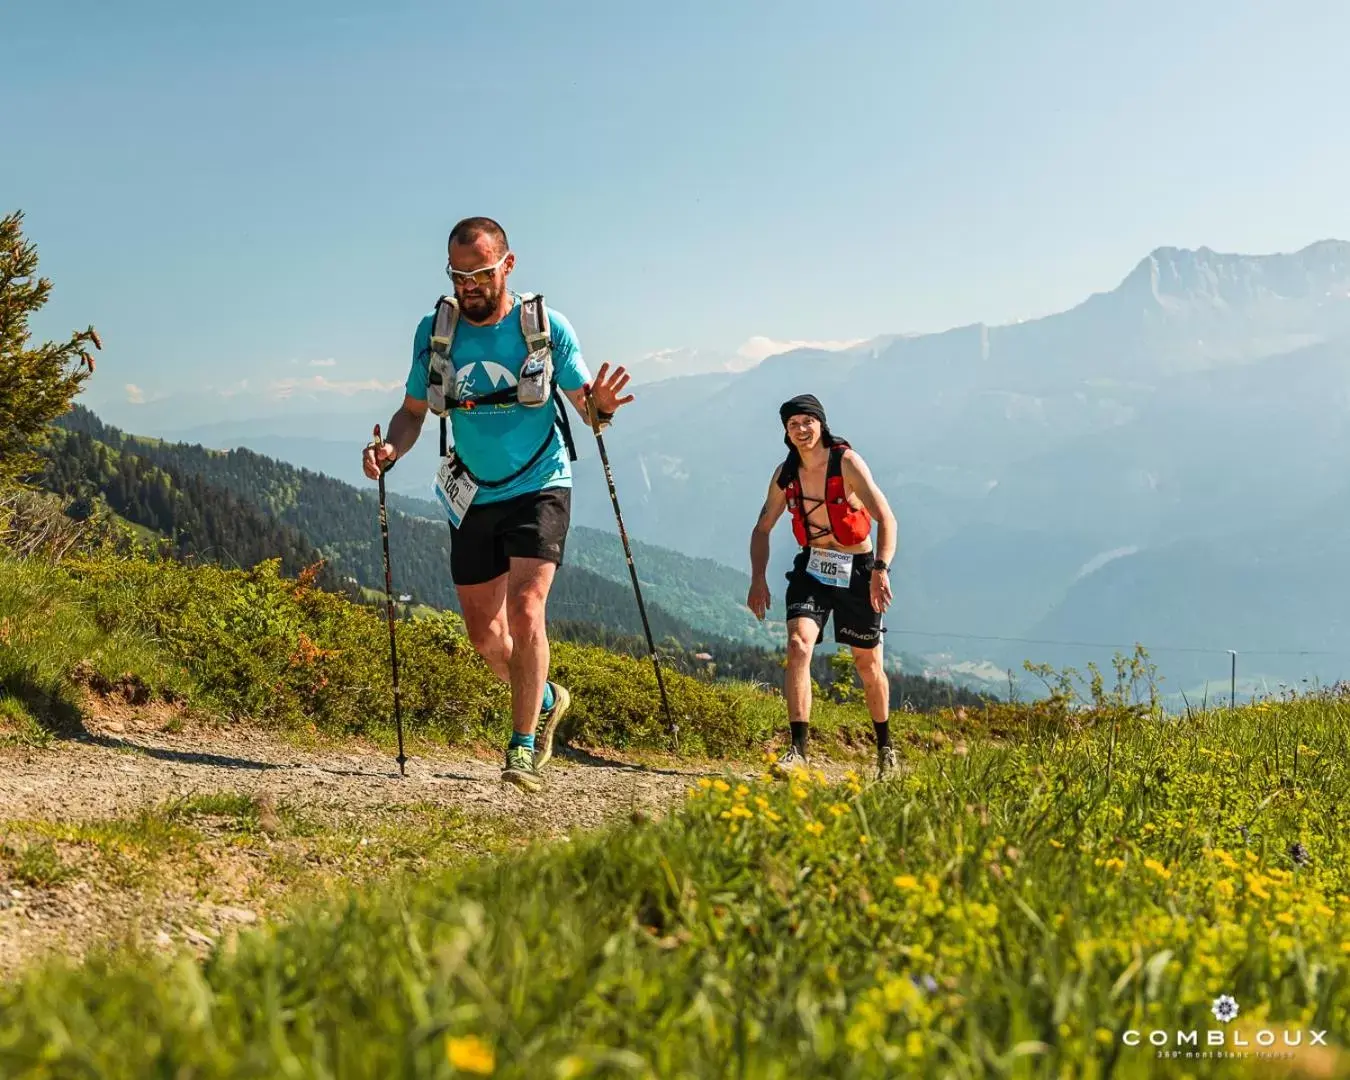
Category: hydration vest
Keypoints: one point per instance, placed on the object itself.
(536, 386)
(848, 526)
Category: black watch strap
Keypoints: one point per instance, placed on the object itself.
(880, 564)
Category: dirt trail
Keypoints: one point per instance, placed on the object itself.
(79, 867)
(115, 775)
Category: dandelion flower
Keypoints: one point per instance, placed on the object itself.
(906, 881)
(470, 1054)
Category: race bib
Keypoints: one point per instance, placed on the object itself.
(455, 490)
(830, 567)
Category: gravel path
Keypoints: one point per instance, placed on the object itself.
(128, 760)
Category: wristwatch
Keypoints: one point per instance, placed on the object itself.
(879, 564)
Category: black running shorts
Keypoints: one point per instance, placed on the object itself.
(855, 623)
(531, 526)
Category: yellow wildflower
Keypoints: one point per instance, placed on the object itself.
(1158, 868)
(906, 881)
(570, 1067)
(721, 785)
(815, 828)
(761, 802)
(1056, 844)
(470, 1054)
(742, 791)
(1285, 917)
(864, 839)
(704, 783)
(838, 808)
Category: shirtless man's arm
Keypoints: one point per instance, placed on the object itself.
(859, 479)
(775, 503)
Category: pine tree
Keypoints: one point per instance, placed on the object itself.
(36, 384)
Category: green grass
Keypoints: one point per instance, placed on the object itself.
(253, 645)
(50, 637)
(1010, 910)
(304, 846)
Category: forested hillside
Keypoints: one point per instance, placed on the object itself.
(196, 519)
(341, 522)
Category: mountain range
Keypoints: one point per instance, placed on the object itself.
(1165, 462)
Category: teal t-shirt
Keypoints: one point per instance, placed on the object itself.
(496, 440)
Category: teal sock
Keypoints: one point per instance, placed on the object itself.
(517, 739)
(548, 696)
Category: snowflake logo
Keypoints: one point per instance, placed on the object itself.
(1224, 1008)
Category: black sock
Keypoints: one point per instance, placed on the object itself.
(883, 731)
(799, 736)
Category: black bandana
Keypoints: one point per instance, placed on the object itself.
(803, 404)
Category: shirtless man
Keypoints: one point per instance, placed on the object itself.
(833, 501)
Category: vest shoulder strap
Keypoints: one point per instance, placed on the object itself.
(836, 465)
(443, 328)
(534, 321)
(442, 337)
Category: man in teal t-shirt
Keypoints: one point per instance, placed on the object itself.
(507, 547)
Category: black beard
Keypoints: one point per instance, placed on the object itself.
(479, 305)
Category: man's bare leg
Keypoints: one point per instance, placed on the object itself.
(528, 583)
(484, 609)
(802, 637)
(877, 688)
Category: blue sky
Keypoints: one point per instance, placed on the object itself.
(241, 192)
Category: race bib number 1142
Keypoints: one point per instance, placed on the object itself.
(455, 491)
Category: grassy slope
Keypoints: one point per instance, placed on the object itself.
(1012, 910)
(251, 644)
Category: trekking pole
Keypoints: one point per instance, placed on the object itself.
(632, 570)
(389, 608)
